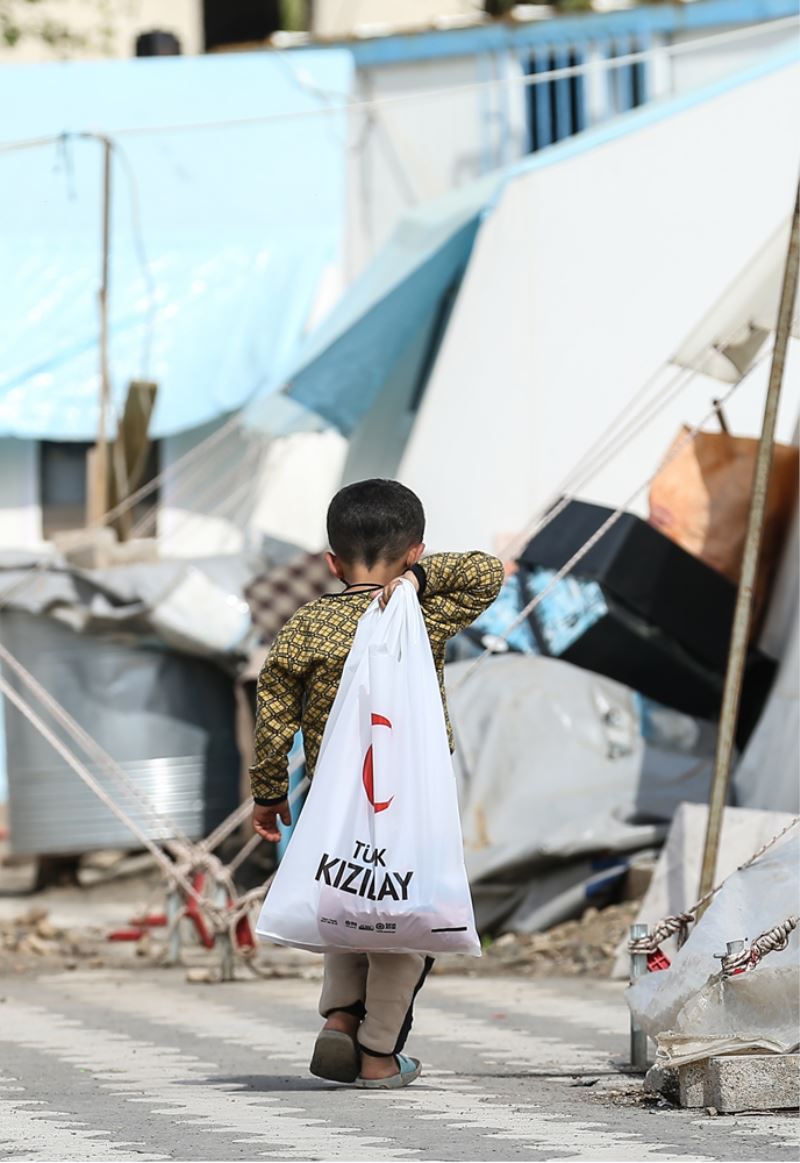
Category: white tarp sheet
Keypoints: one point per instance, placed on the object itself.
(767, 776)
(730, 336)
(692, 1010)
(674, 887)
(195, 605)
(555, 762)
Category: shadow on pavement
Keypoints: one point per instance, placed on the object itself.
(274, 1083)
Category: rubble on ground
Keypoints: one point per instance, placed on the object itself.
(67, 927)
(583, 946)
(30, 941)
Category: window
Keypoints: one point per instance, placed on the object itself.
(237, 22)
(563, 106)
(62, 485)
(556, 108)
(627, 85)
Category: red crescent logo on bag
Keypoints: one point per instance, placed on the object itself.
(369, 773)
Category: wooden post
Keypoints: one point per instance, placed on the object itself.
(744, 601)
(98, 465)
(130, 450)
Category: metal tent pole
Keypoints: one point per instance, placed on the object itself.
(744, 601)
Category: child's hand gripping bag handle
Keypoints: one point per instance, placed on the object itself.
(378, 629)
(401, 620)
(368, 632)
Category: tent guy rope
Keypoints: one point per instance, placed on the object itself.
(590, 543)
(772, 941)
(679, 922)
(188, 857)
(223, 917)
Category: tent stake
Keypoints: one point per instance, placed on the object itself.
(744, 601)
(638, 969)
(174, 911)
(224, 939)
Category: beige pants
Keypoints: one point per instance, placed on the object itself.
(380, 989)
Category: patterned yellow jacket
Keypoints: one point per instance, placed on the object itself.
(301, 675)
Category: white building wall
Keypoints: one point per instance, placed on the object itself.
(335, 18)
(244, 486)
(712, 61)
(20, 527)
(102, 30)
(585, 278)
(299, 476)
(406, 153)
(20, 513)
(417, 149)
(204, 502)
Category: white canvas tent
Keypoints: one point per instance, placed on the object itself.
(767, 774)
(562, 287)
(586, 280)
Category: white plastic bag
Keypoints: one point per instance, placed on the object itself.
(376, 860)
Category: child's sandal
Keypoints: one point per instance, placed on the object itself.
(410, 1069)
(335, 1057)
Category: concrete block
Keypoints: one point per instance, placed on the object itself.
(132, 552)
(663, 1080)
(637, 879)
(100, 548)
(692, 1084)
(86, 548)
(739, 1082)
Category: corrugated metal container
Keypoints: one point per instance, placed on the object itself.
(166, 718)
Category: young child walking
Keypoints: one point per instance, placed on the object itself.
(375, 531)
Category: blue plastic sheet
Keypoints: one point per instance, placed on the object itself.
(343, 366)
(219, 235)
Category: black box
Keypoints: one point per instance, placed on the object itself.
(665, 629)
(648, 574)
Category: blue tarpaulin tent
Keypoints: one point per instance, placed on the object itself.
(220, 233)
(342, 367)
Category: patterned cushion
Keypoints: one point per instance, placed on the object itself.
(280, 592)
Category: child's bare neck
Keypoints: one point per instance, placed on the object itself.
(379, 574)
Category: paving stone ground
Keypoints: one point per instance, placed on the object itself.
(122, 1065)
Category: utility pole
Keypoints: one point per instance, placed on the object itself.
(744, 601)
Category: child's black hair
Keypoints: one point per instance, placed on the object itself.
(373, 521)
